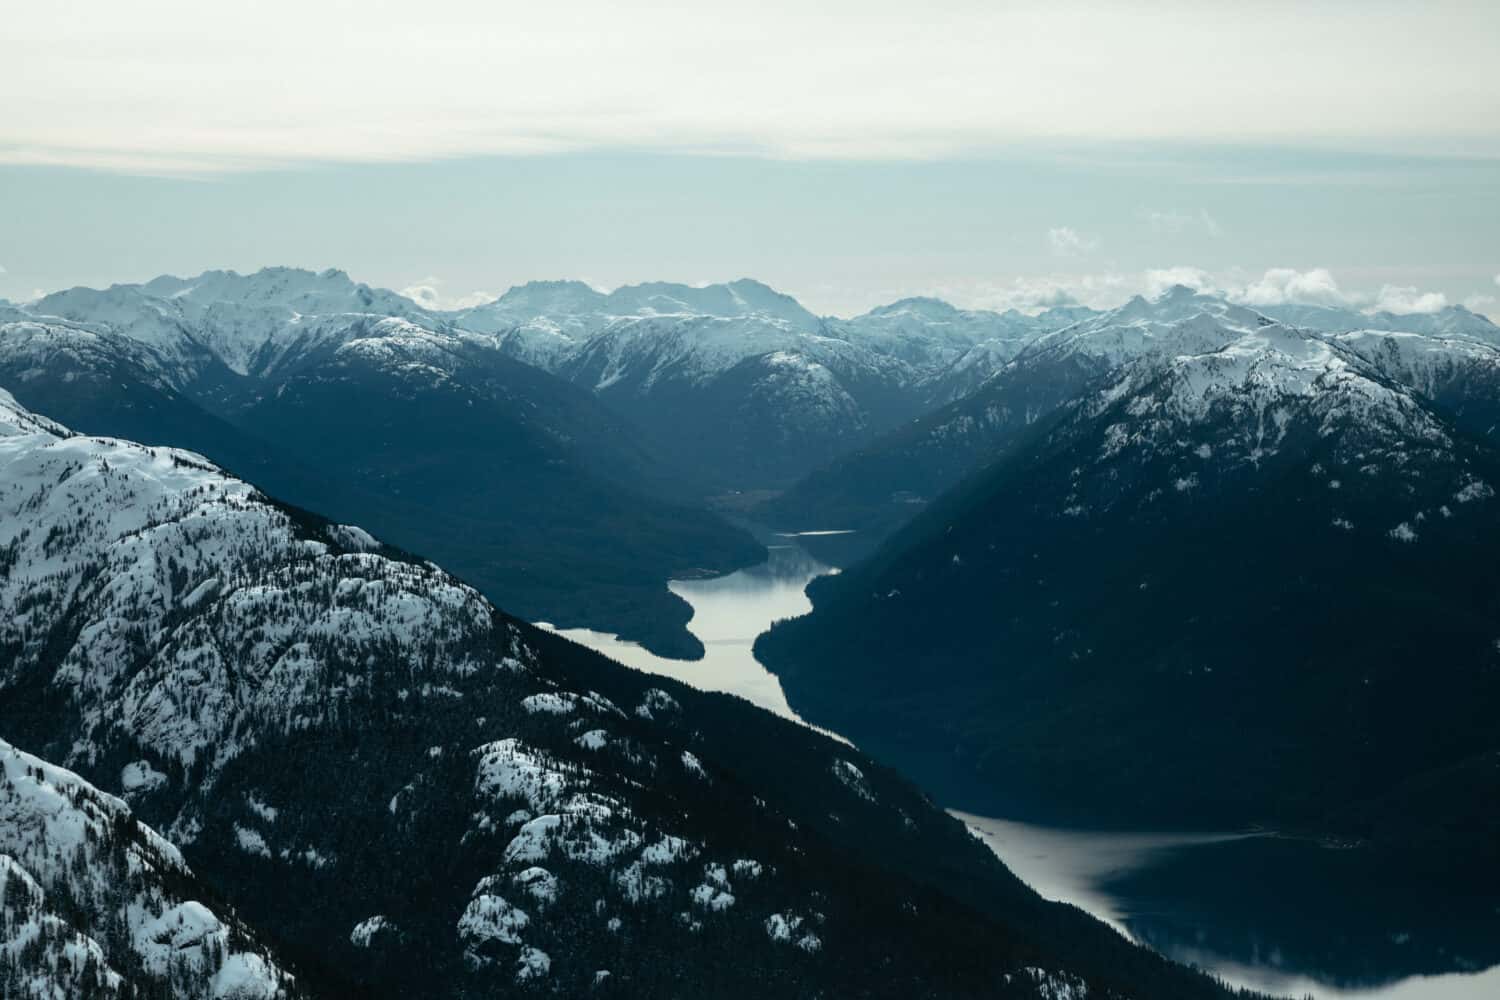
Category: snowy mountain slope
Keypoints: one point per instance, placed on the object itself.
(249, 323)
(92, 903)
(412, 792)
(1250, 584)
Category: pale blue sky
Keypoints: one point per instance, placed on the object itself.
(850, 153)
(840, 235)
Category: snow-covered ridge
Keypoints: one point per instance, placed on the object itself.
(1277, 398)
(72, 860)
(248, 322)
(31, 347)
(1180, 321)
(1269, 371)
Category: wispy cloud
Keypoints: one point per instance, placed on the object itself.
(1159, 279)
(1170, 223)
(1281, 285)
(1275, 287)
(1482, 303)
(1065, 241)
(1408, 299)
(427, 293)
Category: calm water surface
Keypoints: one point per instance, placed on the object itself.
(1290, 917)
(729, 612)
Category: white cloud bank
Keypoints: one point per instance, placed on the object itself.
(1281, 285)
(1276, 286)
(428, 293)
(173, 86)
(1408, 299)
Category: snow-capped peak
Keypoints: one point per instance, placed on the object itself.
(1263, 383)
(245, 321)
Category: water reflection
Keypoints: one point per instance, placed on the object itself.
(729, 612)
(1285, 916)
(1074, 865)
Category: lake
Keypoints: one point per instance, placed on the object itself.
(1287, 916)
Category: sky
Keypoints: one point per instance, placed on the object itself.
(996, 154)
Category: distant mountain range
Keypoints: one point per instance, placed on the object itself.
(739, 381)
(372, 782)
(1195, 567)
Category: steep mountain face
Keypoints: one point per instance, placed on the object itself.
(876, 489)
(412, 793)
(753, 401)
(94, 904)
(525, 485)
(1458, 375)
(1251, 584)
